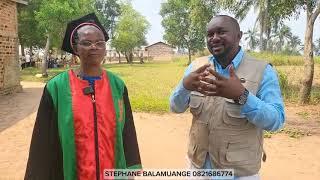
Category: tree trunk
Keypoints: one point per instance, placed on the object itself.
(119, 57)
(267, 28)
(305, 90)
(141, 59)
(30, 50)
(261, 40)
(127, 57)
(45, 58)
(189, 55)
(31, 56)
(131, 57)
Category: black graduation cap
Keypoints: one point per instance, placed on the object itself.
(90, 19)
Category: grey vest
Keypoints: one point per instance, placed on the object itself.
(219, 129)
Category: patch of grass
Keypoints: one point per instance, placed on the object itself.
(303, 114)
(150, 85)
(29, 74)
(290, 82)
(293, 133)
(268, 134)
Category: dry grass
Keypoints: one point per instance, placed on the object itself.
(296, 73)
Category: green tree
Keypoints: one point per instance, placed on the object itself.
(283, 35)
(130, 31)
(109, 11)
(52, 18)
(184, 22)
(289, 8)
(294, 45)
(27, 26)
(265, 21)
(313, 10)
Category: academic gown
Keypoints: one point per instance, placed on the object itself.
(77, 136)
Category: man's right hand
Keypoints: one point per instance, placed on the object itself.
(192, 81)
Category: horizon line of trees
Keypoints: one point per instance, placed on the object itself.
(282, 41)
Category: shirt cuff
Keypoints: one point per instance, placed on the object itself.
(251, 104)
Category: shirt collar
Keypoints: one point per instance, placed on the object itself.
(235, 62)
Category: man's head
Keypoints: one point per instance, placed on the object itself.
(223, 37)
(88, 42)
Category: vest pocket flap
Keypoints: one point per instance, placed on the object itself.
(240, 155)
(196, 103)
(196, 93)
(232, 115)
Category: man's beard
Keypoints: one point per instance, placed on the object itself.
(224, 54)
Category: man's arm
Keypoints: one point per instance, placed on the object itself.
(266, 110)
(192, 81)
(179, 99)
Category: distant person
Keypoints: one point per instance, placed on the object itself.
(23, 61)
(28, 60)
(84, 122)
(232, 98)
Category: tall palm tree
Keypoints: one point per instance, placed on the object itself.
(252, 38)
(261, 7)
(283, 35)
(295, 43)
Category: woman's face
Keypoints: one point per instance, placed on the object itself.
(91, 47)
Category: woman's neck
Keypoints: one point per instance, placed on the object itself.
(90, 71)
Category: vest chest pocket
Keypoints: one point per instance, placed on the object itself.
(196, 103)
(232, 115)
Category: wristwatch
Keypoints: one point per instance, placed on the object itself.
(242, 99)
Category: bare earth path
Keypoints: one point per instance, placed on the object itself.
(163, 139)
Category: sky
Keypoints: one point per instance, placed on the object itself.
(151, 8)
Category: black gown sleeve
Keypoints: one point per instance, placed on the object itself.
(45, 154)
(130, 143)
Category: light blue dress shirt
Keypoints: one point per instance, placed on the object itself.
(266, 110)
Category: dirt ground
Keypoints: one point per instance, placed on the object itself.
(163, 139)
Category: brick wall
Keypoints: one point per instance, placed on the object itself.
(160, 50)
(9, 64)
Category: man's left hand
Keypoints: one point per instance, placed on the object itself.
(230, 88)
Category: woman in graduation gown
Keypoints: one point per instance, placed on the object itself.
(84, 123)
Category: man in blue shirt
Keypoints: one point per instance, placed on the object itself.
(233, 98)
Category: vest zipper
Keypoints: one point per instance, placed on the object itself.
(96, 136)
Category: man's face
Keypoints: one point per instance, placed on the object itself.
(91, 47)
(222, 37)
